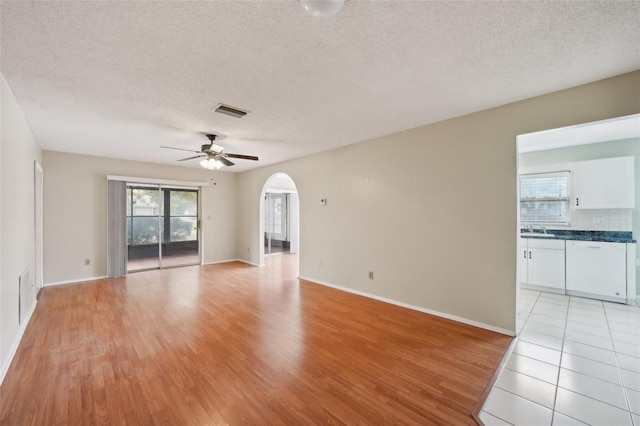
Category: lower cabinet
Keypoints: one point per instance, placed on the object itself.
(542, 263)
(597, 269)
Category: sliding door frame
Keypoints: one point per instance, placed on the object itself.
(168, 184)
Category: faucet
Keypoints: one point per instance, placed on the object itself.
(530, 228)
(544, 229)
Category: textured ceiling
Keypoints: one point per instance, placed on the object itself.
(119, 79)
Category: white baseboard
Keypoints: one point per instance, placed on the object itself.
(16, 342)
(231, 260)
(220, 261)
(414, 307)
(250, 263)
(79, 280)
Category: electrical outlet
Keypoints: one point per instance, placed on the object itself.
(247, 249)
(87, 262)
(370, 275)
(320, 263)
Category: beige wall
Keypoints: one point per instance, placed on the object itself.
(18, 152)
(432, 210)
(75, 200)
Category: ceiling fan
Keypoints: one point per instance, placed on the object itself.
(213, 157)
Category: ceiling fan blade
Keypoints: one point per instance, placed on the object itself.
(242, 157)
(191, 158)
(225, 161)
(179, 149)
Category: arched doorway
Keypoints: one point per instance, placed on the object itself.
(279, 217)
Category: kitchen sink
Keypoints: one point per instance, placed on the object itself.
(536, 234)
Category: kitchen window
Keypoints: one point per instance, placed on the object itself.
(544, 198)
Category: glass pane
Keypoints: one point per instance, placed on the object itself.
(183, 229)
(146, 202)
(184, 203)
(144, 230)
(543, 211)
(276, 223)
(277, 216)
(543, 187)
(537, 194)
(128, 201)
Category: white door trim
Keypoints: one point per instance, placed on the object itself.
(38, 219)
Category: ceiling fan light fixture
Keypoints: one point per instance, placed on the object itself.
(322, 8)
(211, 164)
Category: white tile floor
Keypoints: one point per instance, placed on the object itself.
(576, 362)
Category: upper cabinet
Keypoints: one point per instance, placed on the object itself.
(604, 184)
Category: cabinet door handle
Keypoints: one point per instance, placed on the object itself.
(529, 255)
(577, 201)
(525, 254)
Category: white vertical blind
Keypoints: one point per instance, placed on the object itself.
(116, 228)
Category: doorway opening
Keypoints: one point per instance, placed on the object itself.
(277, 226)
(280, 216)
(162, 227)
(575, 184)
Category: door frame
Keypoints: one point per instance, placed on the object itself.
(160, 187)
(38, 207)
(294, 233)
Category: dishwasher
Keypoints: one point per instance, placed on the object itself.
(597, 270)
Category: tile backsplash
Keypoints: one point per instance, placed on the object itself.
(602, 220)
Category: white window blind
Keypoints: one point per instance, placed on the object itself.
(116, 228)
(544, 198)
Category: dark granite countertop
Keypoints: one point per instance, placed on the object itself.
(565, 234)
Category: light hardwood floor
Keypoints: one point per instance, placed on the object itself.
(237, 344)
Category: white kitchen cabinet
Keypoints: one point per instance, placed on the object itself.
(524, 262)
(597, 269)
(607, 183)
(544, 265)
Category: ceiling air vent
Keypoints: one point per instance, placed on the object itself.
(229, 110)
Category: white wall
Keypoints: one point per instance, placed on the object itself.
(281, 182)
(19, 150)
(75, 200)
(432, 210)
(4, 359)
(294, 222)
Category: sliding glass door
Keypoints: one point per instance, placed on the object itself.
(162, 227)
(143, 227)
(180, 227)
(276, 226)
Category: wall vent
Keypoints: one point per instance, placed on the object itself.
(229, 110)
